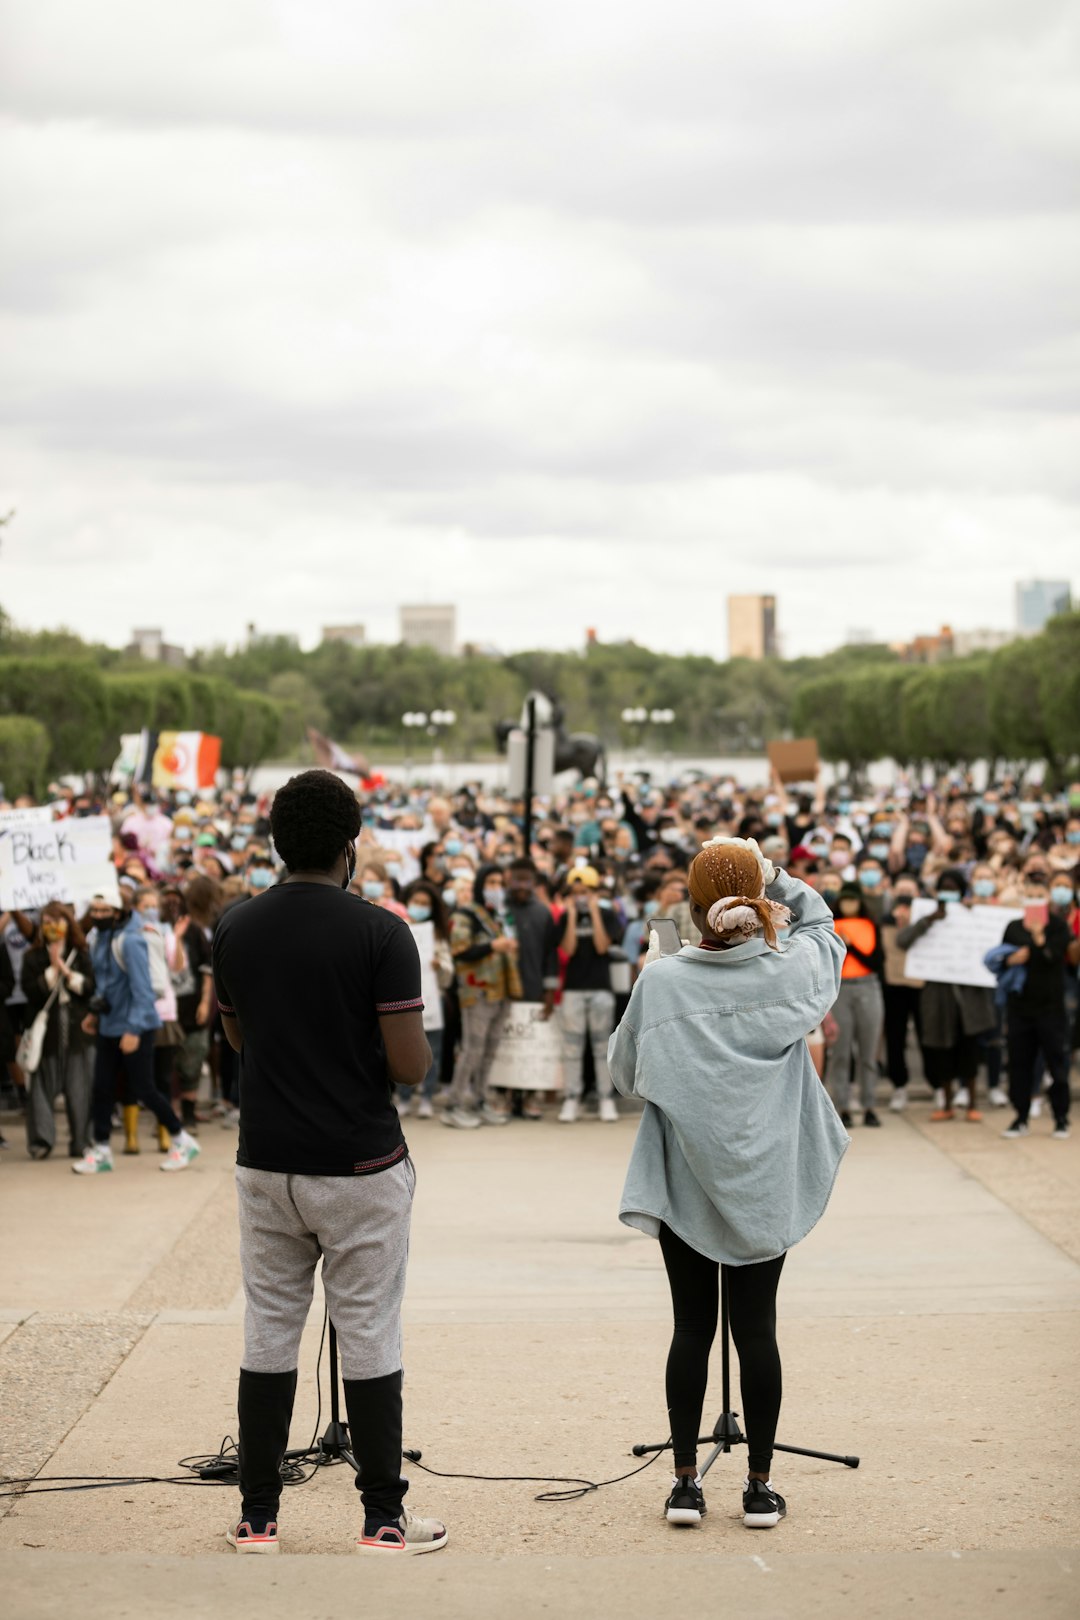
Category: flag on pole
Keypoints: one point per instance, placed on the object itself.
(185, 759)
(332, 757)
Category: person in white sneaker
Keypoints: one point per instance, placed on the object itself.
(739, 1145)
(586, 931)
(123, 1022)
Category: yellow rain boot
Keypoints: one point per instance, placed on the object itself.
(164, 1140)
(131, 1127)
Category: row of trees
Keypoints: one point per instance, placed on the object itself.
(1020, 705)
(62, 715)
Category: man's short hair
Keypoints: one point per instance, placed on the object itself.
(522, 863)
(312, 818)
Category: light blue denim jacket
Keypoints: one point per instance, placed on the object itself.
(127, 989)
(739, 1145)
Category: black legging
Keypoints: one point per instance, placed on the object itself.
(695, 1298)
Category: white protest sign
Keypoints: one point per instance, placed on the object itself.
(529, 1055)
(25, 818)
(424, 935)
(64, 860)
(399, 843)
(952, 951)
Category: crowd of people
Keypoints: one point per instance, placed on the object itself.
(112, 1009)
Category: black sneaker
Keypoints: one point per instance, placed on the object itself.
(762, 1507)
(1019, 1127)
(686, 1504)
(870, 1118)
(845, 1119)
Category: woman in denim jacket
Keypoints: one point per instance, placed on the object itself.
(739, 1145)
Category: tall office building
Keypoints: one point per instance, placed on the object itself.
(1038, 600)
(752, 627)
(429, 626)
(352, 634)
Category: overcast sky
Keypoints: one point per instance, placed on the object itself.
(570, 313)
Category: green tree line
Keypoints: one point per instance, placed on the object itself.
(1019, 705)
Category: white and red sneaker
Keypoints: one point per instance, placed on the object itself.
(182, 1153)
(408, 1534)
(255, 1534)
(95, 1161)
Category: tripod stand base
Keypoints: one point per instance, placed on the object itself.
(726, 1433)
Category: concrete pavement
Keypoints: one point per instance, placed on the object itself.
(929, 1324)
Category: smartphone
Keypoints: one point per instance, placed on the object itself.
(1037, 915)
(666, 930)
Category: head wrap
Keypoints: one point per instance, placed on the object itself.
(726, 881)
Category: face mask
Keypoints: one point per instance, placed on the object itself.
(238, 841)
(183, 796)
(1073, 837)
(111, 921)
(419, 913)
(949, 896)
(393, 870)
(985, 888)
(880, 852)
(870, 880)
(449, 895)
(260, 877)
(840, 858)
(650, 908)
(1037, 875)
(372, 889)
(670, 835)
(150, 914)
(882, 829)
(916, 854)
(774, 820)
(182, 835)
(818, 849)
(1061, 897)
(453, 846)
(493, 898)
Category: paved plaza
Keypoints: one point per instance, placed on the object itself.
(929, 1324)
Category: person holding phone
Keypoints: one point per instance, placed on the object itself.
(739, 1145)
(1036, 1013)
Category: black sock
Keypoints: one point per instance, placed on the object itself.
(374, 1408)
(264, 1405)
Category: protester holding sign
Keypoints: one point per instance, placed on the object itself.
(953, 1017)
(1036, 1013)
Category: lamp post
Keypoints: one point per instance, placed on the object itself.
(440, 720)
(664, 718)
(413, 720)
(638, 719)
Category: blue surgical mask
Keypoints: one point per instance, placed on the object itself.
(183, 796)
(948, 896)
(985, 888)
(1061, 896)
(393, 869)
(151, 914)
(453, 846)
(238, 840)
(419, 911)
(449, 895)
(870, 880)
(774, 820)
(372, 889)
(880, 852)
(883, 829)
(260, 877)
(1073, 836)
(650, 908)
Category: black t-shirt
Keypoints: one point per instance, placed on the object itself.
(196, 948)
(308, 970)
(588, 969)
(1044, 989)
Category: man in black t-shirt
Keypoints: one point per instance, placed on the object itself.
(586, 931)
(319, 992)
(1036, 1017)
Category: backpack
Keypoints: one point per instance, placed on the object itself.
(159, 967)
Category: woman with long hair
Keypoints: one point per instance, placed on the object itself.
(57, 976)
(739, 1145)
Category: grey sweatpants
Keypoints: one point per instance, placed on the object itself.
(359, 1225)
(860, 1017)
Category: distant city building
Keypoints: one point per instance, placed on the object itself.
(860, 637)
(266, 638)
(151, 645)
(927, 649)
(430, 626)
(353, 635)
(752, 627)
(1038, 600)
(966, 642)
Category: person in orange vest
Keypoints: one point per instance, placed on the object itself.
(860, 1007)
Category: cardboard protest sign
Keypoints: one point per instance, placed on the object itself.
(424, 935)
(42, 860)
(952, 951)
(529, 1054)
(795, 760)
